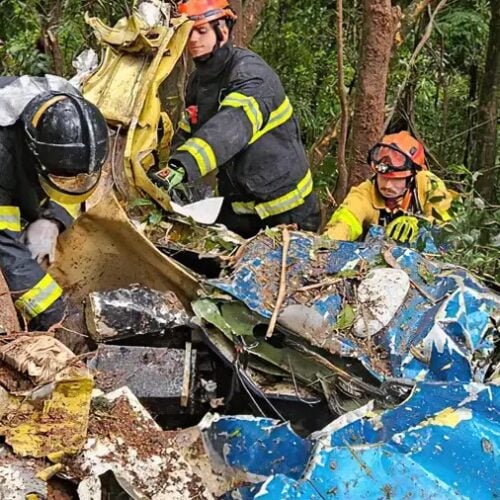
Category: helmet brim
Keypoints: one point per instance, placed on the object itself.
(70, 189)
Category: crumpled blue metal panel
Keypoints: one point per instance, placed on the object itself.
(442, 442)
(447, 323)
(259, 446)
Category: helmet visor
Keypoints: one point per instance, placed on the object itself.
(75, 185)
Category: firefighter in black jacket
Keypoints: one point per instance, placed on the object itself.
(238, 119)
(52, 147)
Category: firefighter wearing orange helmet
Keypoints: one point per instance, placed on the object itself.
(401, 191)
(239, 122)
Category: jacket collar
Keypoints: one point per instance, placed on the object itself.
(213, 66)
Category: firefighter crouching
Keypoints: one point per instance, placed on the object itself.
(239, 120)
(402, 191)
(53, 144)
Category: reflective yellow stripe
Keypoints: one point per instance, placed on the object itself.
(344, 216)
(287, 201)
(243, 207)
(279, 205)
(202, 153)
(250, 107)
(184, 124)
(73, 209)
(277, 117)
(10, 218)
(39, 298)
(64, 198)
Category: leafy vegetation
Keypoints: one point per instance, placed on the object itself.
(297, 38)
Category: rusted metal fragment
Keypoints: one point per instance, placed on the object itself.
(145, 460)
(155, 375)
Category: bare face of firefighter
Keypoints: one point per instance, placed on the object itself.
(203, 39)
(391, 188)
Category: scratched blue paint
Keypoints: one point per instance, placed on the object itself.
(260, 446)
(449, 323)
(442, 442)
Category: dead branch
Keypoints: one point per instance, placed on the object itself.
(282, 287)
(341, 187)
(413, 59)
(409, 18)
(323, 144)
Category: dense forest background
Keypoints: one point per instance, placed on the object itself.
(352, 71)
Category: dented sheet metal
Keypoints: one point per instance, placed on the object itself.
(441, 331)
(53, 426)
(442, 442)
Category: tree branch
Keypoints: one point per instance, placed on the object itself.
(413, 59)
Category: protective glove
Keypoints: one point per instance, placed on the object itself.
(403, 229)
(169, 177)
(40, 238)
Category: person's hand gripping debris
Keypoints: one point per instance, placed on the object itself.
(41, 238)
(403, 229)
(169, 178)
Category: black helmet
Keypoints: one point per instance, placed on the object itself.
(69, 137)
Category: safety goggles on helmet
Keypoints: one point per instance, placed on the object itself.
(389, 160)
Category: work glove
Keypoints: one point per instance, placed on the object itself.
(403, 229)
(169, 177)
(40, 238)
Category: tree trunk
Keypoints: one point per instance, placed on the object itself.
(486, 133)
(249, 14)
(237, 6)
(368, 119)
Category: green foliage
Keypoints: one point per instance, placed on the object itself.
(19, 33)
(474, 231)
(464, 30)
(23, 25)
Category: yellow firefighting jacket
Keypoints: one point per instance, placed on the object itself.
(364, 206)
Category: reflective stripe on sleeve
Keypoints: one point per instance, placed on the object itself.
(277, 117)
(202, 153)
(10, 218)
(39, 298)
(249, 105)
(345, 216)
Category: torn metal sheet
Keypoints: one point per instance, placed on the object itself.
(238, 323)
(442, 442)
(441, 331)
(154, 375)
(257, 446)
(124, 439)
(203, 211)
(127, 312)
(18, 477)
(52, 426)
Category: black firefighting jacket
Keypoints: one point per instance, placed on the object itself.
(238, 119)
(22, 200)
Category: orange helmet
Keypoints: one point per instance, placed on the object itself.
(398, 155)
(204, 11)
